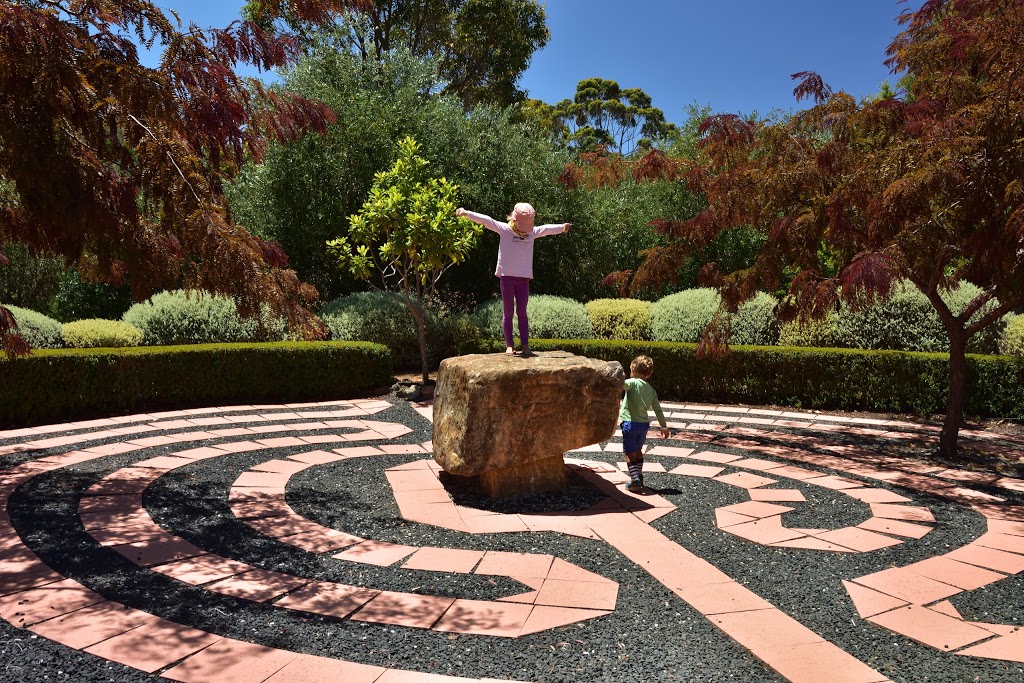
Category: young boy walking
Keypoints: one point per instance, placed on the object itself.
(634, 421)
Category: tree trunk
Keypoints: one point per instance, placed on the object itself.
(957, 391)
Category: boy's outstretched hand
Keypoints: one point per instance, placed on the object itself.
(565, 228)
(665, 433)
(460, 212)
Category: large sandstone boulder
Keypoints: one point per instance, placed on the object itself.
(508, 420)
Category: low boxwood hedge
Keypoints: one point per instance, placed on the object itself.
(835, 379)
(72, 383)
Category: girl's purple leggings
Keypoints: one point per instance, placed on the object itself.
(517, 290)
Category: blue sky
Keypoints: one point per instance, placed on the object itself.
(735, 56)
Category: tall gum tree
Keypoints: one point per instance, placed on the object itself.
(926, 184)
(119, 168)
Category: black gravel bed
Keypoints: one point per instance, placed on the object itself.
(651, 635)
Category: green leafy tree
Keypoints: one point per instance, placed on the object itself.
(854, 196)
(407, 236)
(303, 192)
(622, 119)
(482, 47)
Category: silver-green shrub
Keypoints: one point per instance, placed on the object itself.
(99, 333)
(816, 333)
(197, 317)
(628, 319)
(755, 323)
(682, 317)
(551, 317)
(40, 331)
(1012, 341)
(377, 317)
(907, 321)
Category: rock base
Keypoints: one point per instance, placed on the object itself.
(528, 478)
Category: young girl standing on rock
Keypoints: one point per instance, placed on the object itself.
(515, 265)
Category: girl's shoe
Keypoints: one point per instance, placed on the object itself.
(634, 486)
(526, 352)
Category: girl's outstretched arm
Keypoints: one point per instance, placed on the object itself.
(481, 218)
(551, 229)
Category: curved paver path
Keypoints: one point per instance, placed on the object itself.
(773, 465)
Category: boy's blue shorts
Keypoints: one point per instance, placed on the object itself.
(633, 435)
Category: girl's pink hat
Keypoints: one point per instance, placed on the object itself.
(523, 209)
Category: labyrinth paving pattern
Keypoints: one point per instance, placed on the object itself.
(320, 542)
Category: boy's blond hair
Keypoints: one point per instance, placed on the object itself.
(642, 366)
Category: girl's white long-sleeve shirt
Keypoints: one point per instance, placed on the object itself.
(515, 253)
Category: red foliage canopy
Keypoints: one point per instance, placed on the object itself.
(119, 167)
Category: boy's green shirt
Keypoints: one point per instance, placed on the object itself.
(640, 397)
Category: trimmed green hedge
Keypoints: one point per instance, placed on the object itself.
(836, 379)
(72, 383)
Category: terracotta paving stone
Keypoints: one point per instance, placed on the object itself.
(1000, 526)
(260, 508)
(515, 564)
(280, 467)
(164, 462)
(871, 495)
(946, 607)
(906, 585)
(158, 550)
(745, 480)
(930, 628)
(671, 451)
(231, 661)
(793, 472)
(239, 447)
(92, 624)
(543, 618)
(321, 540)
(720, 598)
(493, 524)
(329, 599)
(485, 618)
(153, 645)
(126, 503)
(989, 558)
(762, 629)
(566, 571)
(811, 543)
(52, 600)
(566, 524)
(817, 662)
(896, 527)
(116, 488)
(279, 527)
(264, 479)
(402, 448)
(404, 609)
(697, 470)
(312, 669)
(756, 464)
(911, 513)
(967, 496)
(358, 451)
(444, 560)
(765, 531)
(869, 602)
(585, 595)
(110, 537)
(1011, 484)
(753, 508)
(834, 483)
(777, 495)
(376, 553)
(421, 480)
(258, 585)
(968, 476)
(1009, 647)
(858, 539)
(316, 457)
(714, 456)
(402, 676)
(964, 576)
(118, 519)
(202, 452)
(1010, 513)
(22, 571)
(281, 441)
(202, 569)
(1007, 542)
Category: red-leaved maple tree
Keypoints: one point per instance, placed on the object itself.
(119, 167)
(927, 184)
